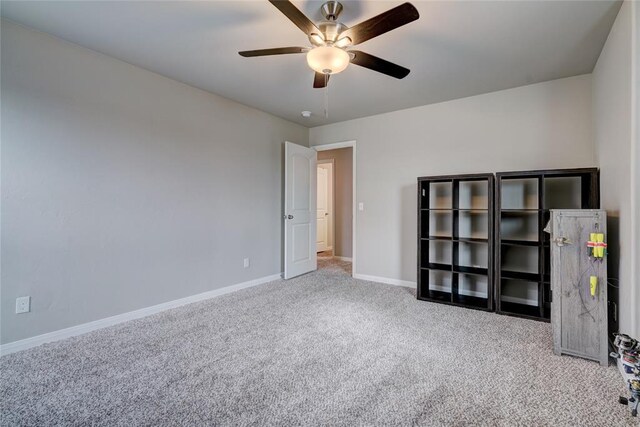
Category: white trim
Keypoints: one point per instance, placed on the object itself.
(387, 280)
(73, 331)
(354, 210)
(334, 146)
(343, 258)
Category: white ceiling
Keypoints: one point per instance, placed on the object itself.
(455, 49)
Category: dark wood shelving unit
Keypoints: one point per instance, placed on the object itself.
(455, 240)
(523, 201)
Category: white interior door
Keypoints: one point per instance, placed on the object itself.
(323, 210)
(299, 210)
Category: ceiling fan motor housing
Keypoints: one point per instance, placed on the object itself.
(331, 30)
(331, 10)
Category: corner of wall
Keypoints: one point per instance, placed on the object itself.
(635, 159)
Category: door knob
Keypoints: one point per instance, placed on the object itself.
(289, 216)
(326, 213)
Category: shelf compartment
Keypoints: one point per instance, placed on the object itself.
(563, 192)
(519, 226)
(474, 255)
(434, 285)
(440, 252)
(440, 195)
(437, 280)
(519, 193)
(473, 225)
(440, 223)
(473, 194)
(520, 292)
(520, 258)
(472, 286)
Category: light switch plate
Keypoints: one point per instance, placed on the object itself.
(360, 206)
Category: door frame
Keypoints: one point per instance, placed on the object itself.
(354, 203)
(332, 179)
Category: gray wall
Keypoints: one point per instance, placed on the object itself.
(613, 86)
(343, 209)
(122, 189)
(546, 125)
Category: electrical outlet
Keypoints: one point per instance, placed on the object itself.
(361, 206)
(246, 263)
(23, 305)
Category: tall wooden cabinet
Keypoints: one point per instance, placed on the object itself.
(579, 281)
(455, 240)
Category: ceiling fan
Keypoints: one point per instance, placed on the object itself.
(332, 41)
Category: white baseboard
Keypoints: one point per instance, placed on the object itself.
(73, 331)
(388, 281)
(343, 258)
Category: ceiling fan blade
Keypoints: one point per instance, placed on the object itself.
(320, 80)
(378, 64)
(274, 51)
(297, 17)
(380, 24)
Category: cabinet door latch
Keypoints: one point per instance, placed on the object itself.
(562, 241)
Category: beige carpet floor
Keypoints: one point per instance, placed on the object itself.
(321, 349)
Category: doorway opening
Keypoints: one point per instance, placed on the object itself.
(335, 196)
(324, 205)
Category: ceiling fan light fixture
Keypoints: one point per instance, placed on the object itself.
(316, 39)
(343, 42)
(328, 59)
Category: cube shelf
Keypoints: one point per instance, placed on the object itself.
(481, 242)
(523, 201)
(455, 244)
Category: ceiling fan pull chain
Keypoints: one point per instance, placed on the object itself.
(326, 96)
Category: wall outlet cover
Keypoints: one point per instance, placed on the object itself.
(23, 305)
(246, 263)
